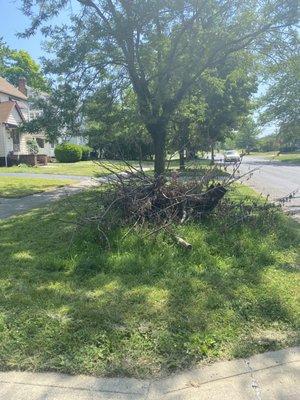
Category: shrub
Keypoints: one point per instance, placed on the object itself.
(32, 146)
(68, 153)
(86, 151)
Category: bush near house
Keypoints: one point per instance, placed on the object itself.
(86, 151)
(32, 146)
(68, 153)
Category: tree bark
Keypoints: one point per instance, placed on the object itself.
(212, 151)
(183, 141)
(181, 159)
(158, 132)
(159, 141)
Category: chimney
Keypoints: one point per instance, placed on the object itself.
(22, 85)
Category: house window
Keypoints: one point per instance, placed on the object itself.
(40, 142)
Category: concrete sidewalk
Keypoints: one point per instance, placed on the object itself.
(269, 376)
(15, 206)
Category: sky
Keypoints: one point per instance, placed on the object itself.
(13, 21)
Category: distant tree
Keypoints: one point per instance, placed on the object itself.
(18, 63)
(184, 136)
(113, 125)
(269, 143)
(281, 103)
(60, 114)
(219, 104)
(161, 48)
(228, 99)
(246, 137)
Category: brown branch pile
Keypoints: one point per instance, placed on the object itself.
(135, 197)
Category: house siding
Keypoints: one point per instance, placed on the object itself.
(2, 152)
(14, 119)
(6, 143)
(4, 97)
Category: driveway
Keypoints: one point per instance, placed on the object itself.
(275, 179)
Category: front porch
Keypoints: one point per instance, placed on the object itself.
(16, 150)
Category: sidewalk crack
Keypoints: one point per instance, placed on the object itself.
(254, 383)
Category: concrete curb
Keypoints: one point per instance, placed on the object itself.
(268, 376)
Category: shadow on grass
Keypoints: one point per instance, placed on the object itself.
(145, 307)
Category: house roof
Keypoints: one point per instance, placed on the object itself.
(7, 88)
(6, 108)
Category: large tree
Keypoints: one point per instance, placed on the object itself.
(161, 47)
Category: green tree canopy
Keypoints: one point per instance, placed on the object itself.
(61, 114)
(113, 125)
(282, 102)
(161, 48)
(246, 137)
(18, 63)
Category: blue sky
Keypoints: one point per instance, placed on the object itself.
(13, 21)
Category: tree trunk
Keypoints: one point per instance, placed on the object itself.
(183, 142)
(158, 133)
(212, 150)
(181, 159)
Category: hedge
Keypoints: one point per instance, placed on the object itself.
(68, 152)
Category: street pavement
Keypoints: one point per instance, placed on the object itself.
(268, 376)
(275, 179)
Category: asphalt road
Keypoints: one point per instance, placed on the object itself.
(275, 179)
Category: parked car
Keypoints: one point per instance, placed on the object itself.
(232, 156)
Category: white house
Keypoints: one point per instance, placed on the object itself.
(14, 109)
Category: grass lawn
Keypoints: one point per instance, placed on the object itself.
(90, 168)
(288, 158)
(19, 187)
(84, 168)
(146, 307)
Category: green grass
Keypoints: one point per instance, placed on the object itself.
(288, 158)
(84, 168)
(144, 307)
(20, 187)
(90, 168)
